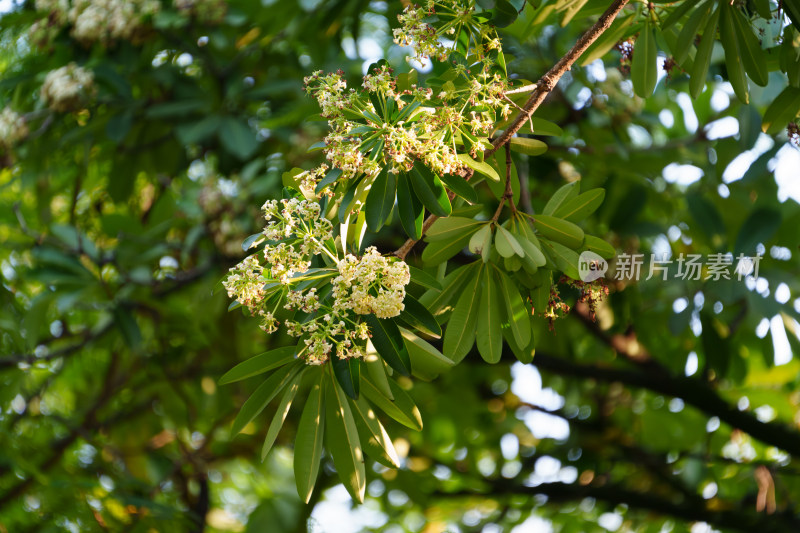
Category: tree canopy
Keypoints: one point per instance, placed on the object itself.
(322, 265)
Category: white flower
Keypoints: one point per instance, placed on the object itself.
(66, 88)
(12, 128)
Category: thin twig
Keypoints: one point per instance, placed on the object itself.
(548, 82)
(508, 193)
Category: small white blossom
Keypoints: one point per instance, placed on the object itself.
(12, 128)
(66, 88)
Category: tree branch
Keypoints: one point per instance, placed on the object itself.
(691, 391)
(735, 519)
(548, 82)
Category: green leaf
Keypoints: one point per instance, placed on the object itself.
(348, 374)
(783, 110)
(503, 14)
(308, 443)
(440, 251)
(517, 312)
(417, 316)
(582, 206)
(599, 246)
(341, 436)
(380, 200)
(281, 413)
(376, 370)
(459, 185)
(489, 333)
(644, 69)
(749, 126)
(409, 209)
(263, 395)
(437, 300)
(331, 177)
(702, 60)
(528, 146)
(460, 333)
(733, 55)
(481, 242)
(423, 279)
(445, 229)
(426, 361)
(753, 57)
(523, 353)
(248, 242)
(402, 408)
(506, 244)
(374, 439)
(259, 364)
(387, 340)
(559, 230)
(565, 259)
(532, 253)
(690, 29)
(237, 138)
(482, 168)
(676, 14)
(561, 196)
(430, 191)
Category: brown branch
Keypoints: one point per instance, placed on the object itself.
(508, 193)
(612, 494)
(402, 252)
(548, 82)
(692, 391)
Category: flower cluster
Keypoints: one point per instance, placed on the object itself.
(419, 34)
(454, 16)
(295, 233)
(308, 180)
(455, 118)
(92, 20)
(12, 128)
(107, 20)
(371, 284)
(426, 135)
(380, 80)
(67, 88)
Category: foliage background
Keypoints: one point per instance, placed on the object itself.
(118, 221)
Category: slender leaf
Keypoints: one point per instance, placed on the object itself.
(380, 200)
(263, 395)
(374, 439)
(308, 443)
(387, 340)
(402, 408)
(516, 311)
(460, 333)
(417, 316)
(259, 364)
(489, 332)
(341, 436)
(281, 413)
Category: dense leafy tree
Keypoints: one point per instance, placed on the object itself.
(138, 141)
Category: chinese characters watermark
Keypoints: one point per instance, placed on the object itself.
(629, 267)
